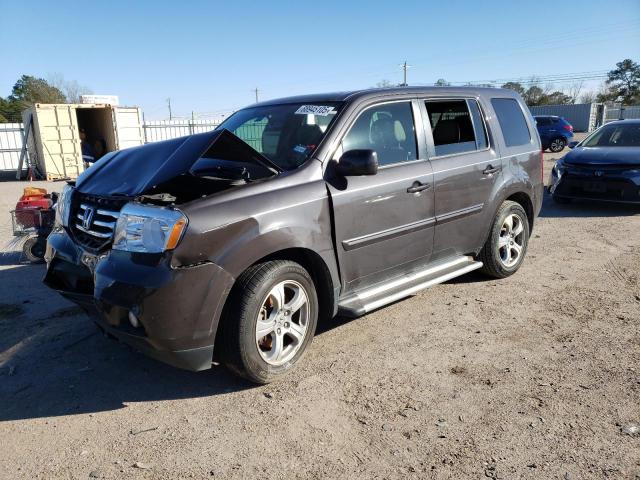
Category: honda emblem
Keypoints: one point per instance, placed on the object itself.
(87, 217)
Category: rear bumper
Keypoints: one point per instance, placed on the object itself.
(177, 308)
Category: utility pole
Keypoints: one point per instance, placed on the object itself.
(256, 92)
(405, 66)
(169, 104)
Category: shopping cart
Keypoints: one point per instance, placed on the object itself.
(32, 221)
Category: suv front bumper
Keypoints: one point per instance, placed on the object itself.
(177, 308)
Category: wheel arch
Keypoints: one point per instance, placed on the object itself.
(524, 200)
(312, 262)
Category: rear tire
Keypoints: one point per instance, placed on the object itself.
(557, 144)
(278, 299)
(506, 247)
(34, 248)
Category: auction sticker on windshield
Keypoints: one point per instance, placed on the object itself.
(319, 110)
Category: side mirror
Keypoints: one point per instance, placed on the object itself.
(573, 144)
(358, 162)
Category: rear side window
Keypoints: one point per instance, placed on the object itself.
(456, 126)
(543, 121)
(478, 125)
(512, 123)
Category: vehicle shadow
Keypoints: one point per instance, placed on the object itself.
(585, 208)
(54, 361)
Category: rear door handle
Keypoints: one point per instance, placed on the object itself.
(491, 170)
(418, 187)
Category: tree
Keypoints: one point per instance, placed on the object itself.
(70, 88)
(441, 82)
(557, 98)
(587, 97)
(384, 84)
(606, 94)
(533, 96)
(515, 86)
(624, 81)
(27, 91)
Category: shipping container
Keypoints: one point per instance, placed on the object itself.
(54, 142)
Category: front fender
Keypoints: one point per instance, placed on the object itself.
(237, 245)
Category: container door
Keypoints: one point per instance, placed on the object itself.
(128, 127)
(60, 140)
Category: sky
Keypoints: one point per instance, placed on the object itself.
(208, 57)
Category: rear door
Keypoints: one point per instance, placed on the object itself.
(384, 222)
(466, 170)
(128, 127)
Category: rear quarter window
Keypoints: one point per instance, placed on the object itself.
(512, 122)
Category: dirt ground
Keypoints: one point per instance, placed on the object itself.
(535, 376)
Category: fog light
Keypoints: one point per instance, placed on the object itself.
(135, 323)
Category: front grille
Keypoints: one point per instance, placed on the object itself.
(93, 220)
(614, 189)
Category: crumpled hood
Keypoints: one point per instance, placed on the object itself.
(135, 170)
(603, 156)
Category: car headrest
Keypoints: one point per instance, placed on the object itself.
(446, 131)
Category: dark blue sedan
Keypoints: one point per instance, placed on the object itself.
(555, 132)
(604, 166)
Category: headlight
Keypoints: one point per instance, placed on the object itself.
(143, 228)
(63, 206)
(558, 169)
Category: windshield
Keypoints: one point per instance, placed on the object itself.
(619, 135)
(286, 134)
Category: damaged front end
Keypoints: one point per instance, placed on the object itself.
(111, 250)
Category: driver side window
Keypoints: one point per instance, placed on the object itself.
(388, 129)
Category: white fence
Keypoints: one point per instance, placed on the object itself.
(619, 113)
(155, 131)
(11, 141)
(12, 136)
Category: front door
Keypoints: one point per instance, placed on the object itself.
(384, 222)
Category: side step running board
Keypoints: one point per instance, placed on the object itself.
(364, 301)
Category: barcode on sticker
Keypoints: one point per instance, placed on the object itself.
(319, 110)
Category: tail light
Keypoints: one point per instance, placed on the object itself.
(568, 127)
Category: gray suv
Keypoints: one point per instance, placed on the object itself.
(233, 244)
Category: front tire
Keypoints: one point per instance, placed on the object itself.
(506, 247)
(557, 144)
(270, 320)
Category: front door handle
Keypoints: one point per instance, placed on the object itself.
(491, 170)
(418, 187)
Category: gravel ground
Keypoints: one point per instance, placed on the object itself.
(535, 376)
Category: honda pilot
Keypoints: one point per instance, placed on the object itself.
(232, 245)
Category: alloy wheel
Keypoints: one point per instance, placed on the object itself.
(281, 326)
(557, 145)
(511, 240)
